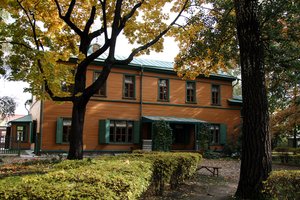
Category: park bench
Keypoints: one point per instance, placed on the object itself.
(212, 169)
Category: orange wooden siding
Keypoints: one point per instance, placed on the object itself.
(113, 106)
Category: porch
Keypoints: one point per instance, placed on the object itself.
(184, 132)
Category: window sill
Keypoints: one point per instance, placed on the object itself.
(215, 104)
(188, 102)
(129, 98)
(160, 100)
(121, 143)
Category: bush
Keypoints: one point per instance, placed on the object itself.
(210, 154)
(162, 136)
(283, 185)
(286, 158)
(171, 168)
(95, 179)
(287, 149)
(107, 177)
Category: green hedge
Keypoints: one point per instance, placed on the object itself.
(286, 158)
(120, 177)
(283, 185)
(287, 149)
(87, 179)
(169, 168)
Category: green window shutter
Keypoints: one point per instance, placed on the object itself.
(136, 132)
(223, 129)
(103, 135)
(59, 130)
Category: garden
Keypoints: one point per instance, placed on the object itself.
(140, 175)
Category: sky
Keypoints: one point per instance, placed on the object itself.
(15, 89)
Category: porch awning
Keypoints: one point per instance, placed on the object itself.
(26, 118)
(172, 119)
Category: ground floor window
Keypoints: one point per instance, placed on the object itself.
(63, 130)
(66, 130)
(215, 133)
(21, 133)
(121, 131)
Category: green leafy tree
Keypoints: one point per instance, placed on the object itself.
(163, 137)
(44, 35)
(263, 38)
(7, 107)
(203, 136)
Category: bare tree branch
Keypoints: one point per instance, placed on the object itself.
(48, 89)
(103, 6)
(90, 20)
(152, 42)
(16, 43)
(70, 9)
(32, 24)
(115, 29)
(96, 33)
(129, 15)
(67, 19)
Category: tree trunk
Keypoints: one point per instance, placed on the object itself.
(256, 144)
(76, 136)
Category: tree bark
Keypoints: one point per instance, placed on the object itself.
(76, 136)
(256, 143)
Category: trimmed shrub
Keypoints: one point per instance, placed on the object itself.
(287, 149)
(168, 168)
(210, 154)
(286, 157)
(96, 179)
(283, 185)
(107, 177)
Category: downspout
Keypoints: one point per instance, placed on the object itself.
(39, 139)
(141, 92)
(141, 100)
(141, 104)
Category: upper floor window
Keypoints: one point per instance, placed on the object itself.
(163, 89)
(21, 133)
(215, 95)
(102, 91)
(121, 131)
(129, 86)
(215, 133)
(190, 92)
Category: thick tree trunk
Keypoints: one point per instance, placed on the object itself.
(256, 144)
(76, 137)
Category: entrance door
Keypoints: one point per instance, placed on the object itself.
(181, 136)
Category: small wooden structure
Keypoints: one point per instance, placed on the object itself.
(212, 169)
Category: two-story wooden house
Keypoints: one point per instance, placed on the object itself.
(121, 115)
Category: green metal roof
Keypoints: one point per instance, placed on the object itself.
(172, 119)
(161, 66)
(26, 118)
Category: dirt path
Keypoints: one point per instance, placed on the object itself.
(206, 187)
